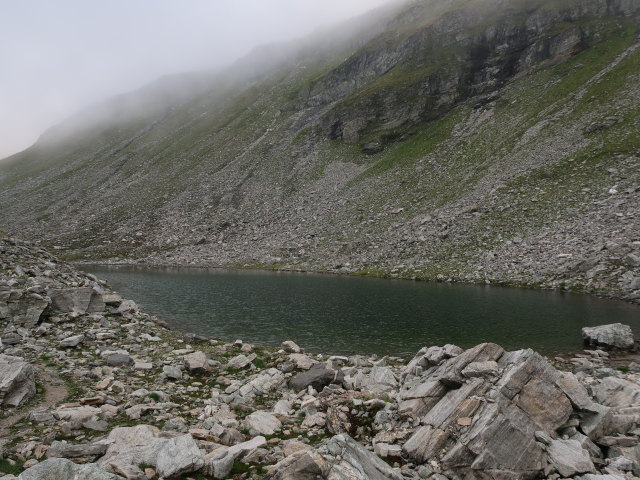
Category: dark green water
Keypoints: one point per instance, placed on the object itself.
(334, 314)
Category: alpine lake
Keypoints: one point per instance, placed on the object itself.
(336, 314)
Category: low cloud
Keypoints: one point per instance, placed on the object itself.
(60, 57)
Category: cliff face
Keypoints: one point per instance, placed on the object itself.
(474, 140)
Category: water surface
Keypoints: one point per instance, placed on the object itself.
(338, 314)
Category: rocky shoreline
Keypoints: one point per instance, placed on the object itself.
(93, 388)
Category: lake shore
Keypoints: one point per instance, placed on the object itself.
(105, 391)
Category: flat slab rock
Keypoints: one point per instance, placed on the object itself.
(340, 458)
(17, 381)
(63, 469)
(317, 377)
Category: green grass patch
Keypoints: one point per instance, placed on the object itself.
(9, 469)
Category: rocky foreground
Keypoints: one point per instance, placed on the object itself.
(93, 388)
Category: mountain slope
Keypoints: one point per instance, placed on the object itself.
(478, 140)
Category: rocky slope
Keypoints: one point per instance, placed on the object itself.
(475, 140)
(140, 402)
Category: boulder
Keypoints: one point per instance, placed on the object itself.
(143, 444)
(71, 342)
(127, 306)
(480, 369)
(219, 463)
(77, 299)
(569, 458)
(380, 380)
(341, 457)
(262, 422)
(241, 361)
(615, 335)
(63, 469)
(178, 456)
(22, 308)
(317, 377)
(302, 361)
(291, 347)
(17, 381)
(196, 362)
(120, 360)
(617, 392)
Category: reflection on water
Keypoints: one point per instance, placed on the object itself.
(335, 314)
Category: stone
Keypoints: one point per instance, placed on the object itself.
(24, 309)
(337, 458)
(293, 446)
(143, 444)
(68, 300)
(386, 450)
(615, 335)
(262, 422)
(302, 361)
(17, 381)
(317, 377)
(480, 369)
(127, 306)
(590, 476)
(76, 415)
(196, 362)
(291, 347)
(71, 342)
(379, 380)
(172, 372)
(178, 456)
(569, 458)
(617, 392)
(474, 425)
(241, 361)
(119, 360)
(63, 469)
(112, 299)
(219, 463)
(87, 451)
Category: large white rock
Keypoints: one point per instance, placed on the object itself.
(569, 457)
(178, 456)
(615, 335)
(291, 347)
(262, 422)
(133, 446)
(302, 361)
(196, 362)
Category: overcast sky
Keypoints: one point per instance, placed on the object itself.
(58, 56)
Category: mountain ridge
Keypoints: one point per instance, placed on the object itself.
(456, 143)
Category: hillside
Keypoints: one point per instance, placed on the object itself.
(474, 140)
